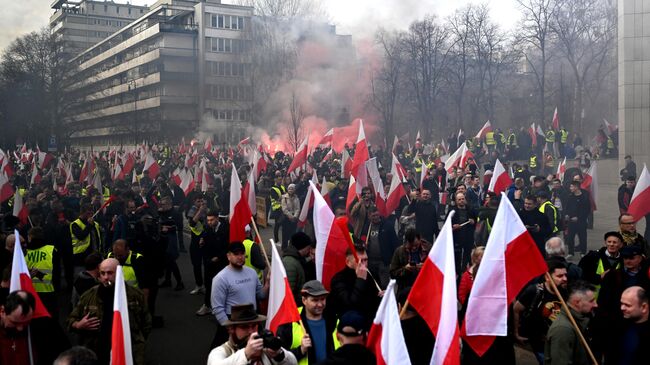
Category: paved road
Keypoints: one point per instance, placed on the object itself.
(186, 338)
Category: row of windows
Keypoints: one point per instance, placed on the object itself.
(228, 68)
(84, 33)
(118, 9)
(228, 22)
(231, 92)
(228, 45)
(236, 115)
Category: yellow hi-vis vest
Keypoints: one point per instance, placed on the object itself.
(512, 140)
(610, 143)
(79, 246)
(564, 135)
(550, 136)
(248, 245)
(296, 338)
(197, 229)
(275, 204)
(127, 269)
(599, 271)
(42, 260)
(542, 209)
(489, 138)
(532, 162)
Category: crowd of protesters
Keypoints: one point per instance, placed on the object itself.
(75, 233)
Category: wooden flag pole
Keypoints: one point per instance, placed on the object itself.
(257, 232)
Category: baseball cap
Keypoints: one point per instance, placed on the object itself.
(314, 288)
(236, 247)
(630, 251)
(355, 322)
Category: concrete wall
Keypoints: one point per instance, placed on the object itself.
(634, 79)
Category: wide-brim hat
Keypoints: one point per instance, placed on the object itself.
(243, 314)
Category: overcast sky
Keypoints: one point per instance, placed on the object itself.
(358, 17)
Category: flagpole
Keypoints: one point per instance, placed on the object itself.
(404, 308)
(302, 326)
(257, 232)
(29, 345)
(571, 319)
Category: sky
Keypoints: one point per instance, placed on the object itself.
(356, 17)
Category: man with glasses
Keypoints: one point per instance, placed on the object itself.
(627, 228)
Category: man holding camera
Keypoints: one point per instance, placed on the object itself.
(245, 345)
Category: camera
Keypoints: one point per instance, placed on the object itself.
(270, 341)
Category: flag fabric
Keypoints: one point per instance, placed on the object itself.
(207, 146)
(458, 158)
(395, 193)
(352, 193)
(423, 174)
(121, 353)
(556, 120)
(375, 178)
(325, 192)
(187, 181)
(327, 139)
(249, 191)
(36, 176)
(561, 169)
(152, 166)
(44, 159)
(308, 203)
(21, 280)
(128, 165)
(395, 140)
(609, 127)
(433, 296)
(487, 127)
(331, 243)
(640, 202)
(240, 213)
(386, 339)
(282, 307)
(533, 135)
(346, 164)
(19, 209)
(396, 167)
(590, 183)
(500, 180)
(6, 190)
(361, 153)
(511, 260)
(300, 158)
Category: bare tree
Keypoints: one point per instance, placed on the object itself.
(427, 51)
(459, 65)
(385, 83)
(286, 8)
(296, 117)
(535, 35)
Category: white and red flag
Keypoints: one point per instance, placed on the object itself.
(6, 190)
(487, 127)
(21, 280)
(187, 181)
(352, 193)
(331, 244)
(433, 296)
(397, 168)
(386, 339)
(458, 158)
(590, 183)
(561, 169)
(121, 353)
(36, 176)
(556, 120)
(240, 213)
(327, 139)
(532, 132)
(207, 146)
(361, 153)
(308, 203)
(152, 166)
(325, 192)
(640, 202)
(20, 209)
(423, 174)
(44, 159)
(510, 261)
(609, 127)
(346, 164)
(500, 180)
(300, 158)
(282, 306)
(249, 191)
(395, 193)
(128, 166)
(378, 185)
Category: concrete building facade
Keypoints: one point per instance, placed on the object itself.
(634, 79)
(182, 63)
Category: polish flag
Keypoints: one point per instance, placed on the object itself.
(68, 175)
(386, 339)
(590, 183)
(282, 306)
(308, 203)
(249, 191)
(240, 213)
(423, 174)
(346, 164)
(5, 166)
(487, 127)
(510, 261)
(460, 133)
(121, 332)
(375, 178)
(500, 180)
(21, 280)
(325, 192)
(433, 296)
(128, 166)
(395, 193)
(300, 158)
(6, 190)
(458, 158)
(361, 154)
(331, 243)
(207, 146)
(532, 134)
(187, 182)
(244, 142)
(152, 166)
(352, 193)
(609, 127)
(397, 168)
(176, 176)
(204, 177)
(327, 157)
(85, 171)
(36, 177)
(540, 131)
(44, 159)
(327, 139)
(640, 202)
(117, 172)
(19, 209)
(556, 120)
(561, 169)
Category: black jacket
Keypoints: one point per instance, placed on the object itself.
(388, 241)
(285, 332)
(351, 293)
(589, 265)
(426, 218)
(350, 355)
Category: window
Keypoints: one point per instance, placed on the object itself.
(220, 21)
(118, 9)
(105, 8)
(141, 11)
(129, 11)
